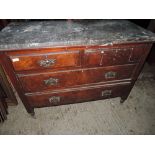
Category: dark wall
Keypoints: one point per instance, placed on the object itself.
(141, 22)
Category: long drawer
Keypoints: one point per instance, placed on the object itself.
(69, 96)
(109, 57)
(63, 79)
(44, 60)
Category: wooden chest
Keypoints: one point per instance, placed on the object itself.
(57, 62)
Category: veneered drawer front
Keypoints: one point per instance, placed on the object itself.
(77, 95)
(46, 60)
(64, 79)
(110, 57)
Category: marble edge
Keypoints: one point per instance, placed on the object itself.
(51, 45)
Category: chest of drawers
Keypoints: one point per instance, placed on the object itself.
(54, 63)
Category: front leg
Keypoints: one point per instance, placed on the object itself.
(32, 113)
(123, 98)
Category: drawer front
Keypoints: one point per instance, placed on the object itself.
(64, 79)
(78, 95)
(45, 60)
(105, 57)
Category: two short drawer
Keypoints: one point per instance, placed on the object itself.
(77, 95)
(47, 81)
(73, 59)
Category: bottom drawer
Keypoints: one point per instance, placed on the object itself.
(83, 94)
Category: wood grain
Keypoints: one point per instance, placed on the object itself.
(74, 78)
(32, 61)
(78, 95)
(80, 72)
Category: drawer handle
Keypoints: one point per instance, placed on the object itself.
(54, 100)
(110, 74)
(51, 82)
(106, 93)
(47, 62)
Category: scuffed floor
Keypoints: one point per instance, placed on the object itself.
(135, 116)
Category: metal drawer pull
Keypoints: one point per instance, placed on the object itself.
(54, 99)
(106, 93)
(51, 81)
(47, 62)
(110, 75)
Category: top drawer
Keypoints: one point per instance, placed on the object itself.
(44, 60)
(110, 57)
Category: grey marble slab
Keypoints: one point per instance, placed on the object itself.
(24, 35)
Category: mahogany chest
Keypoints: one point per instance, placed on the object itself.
(52, 63)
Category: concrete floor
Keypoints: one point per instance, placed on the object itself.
(135, 116)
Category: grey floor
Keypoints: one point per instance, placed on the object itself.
(135, 116)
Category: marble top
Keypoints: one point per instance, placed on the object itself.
(36, 34)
